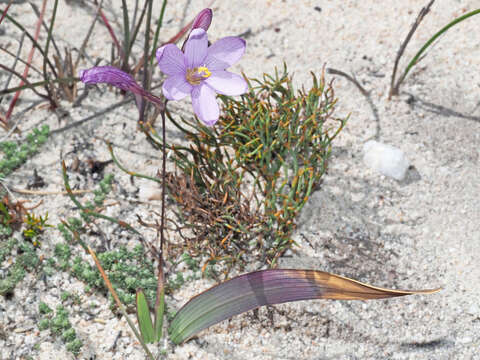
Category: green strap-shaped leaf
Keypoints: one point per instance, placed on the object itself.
(144, 319)
(267, 287)
(158, 323)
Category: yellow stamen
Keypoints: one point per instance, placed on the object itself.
(204, 72)
(196, 75)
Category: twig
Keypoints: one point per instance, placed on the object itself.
(39, 192)
(110, 30)
(32, 39)
(81, 122)
(349, 78)
(5, 11)
(394, 87)
(37, 12)
(16, 57)
(364, 93)
(30, 58)
(81, 51)
(35, 84)
(131, 173)
(19, 117)
(47, 46)
(89, 212)
(23, 80)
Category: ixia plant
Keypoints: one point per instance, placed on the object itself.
(199, 71)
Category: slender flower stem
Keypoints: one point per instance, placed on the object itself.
(164, 162)
(119, 303)
(160, 276)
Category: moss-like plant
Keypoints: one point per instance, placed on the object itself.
(16, 154)
(60, 326)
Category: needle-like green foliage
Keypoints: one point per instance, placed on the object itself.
(241, 184)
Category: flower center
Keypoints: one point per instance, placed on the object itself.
(196, 75)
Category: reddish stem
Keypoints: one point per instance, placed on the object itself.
(29, 61)
(6, 10)
(110, 30)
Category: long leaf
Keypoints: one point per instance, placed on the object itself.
(144, 319)
(267, 287)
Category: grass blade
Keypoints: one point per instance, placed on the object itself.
(417, 56)
(157, 31)
(268, 287)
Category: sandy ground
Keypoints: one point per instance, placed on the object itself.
(422, 232)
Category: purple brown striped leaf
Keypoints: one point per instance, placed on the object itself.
(268, 287)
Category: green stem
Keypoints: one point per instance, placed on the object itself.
(131, 173)
(38, 83)
(47, 45)
(431, 40)
(32, 39)
(157, 31)
(126, 34)
(88, 211)
(137, 28)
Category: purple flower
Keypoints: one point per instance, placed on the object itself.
(110, 75)
(200, 72)
(118, 78)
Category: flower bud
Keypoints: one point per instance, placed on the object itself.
(203, 20)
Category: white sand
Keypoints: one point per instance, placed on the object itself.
(423, 232)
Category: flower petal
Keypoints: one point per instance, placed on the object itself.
(205, 105)
(171, 60)
(176, 87)
(203, 20)
(196, 48)
(226, 83)
(110, 75)
(224, 53)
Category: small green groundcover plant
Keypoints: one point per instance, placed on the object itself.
(18, 253)
(239, 184)
(59, 325)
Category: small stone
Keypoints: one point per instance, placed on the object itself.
(385, 159)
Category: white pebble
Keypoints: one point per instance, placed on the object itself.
(387, 160)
